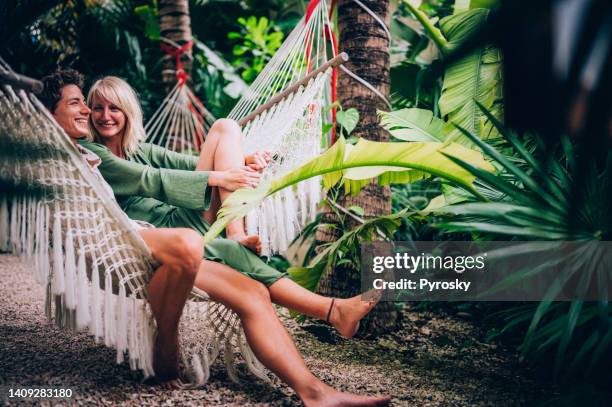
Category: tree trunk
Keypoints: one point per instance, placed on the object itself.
(367, 44)
(175, 25)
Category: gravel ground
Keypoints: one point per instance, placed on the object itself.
(433, 360)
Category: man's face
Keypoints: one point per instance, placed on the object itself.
(72, 113)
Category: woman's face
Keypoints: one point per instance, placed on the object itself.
(107, 118)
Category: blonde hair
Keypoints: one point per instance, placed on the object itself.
(117, 91)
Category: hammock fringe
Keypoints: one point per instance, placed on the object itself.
(83, 250)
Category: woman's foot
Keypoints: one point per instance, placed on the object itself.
(345, 314)
(252, 242)
(165, 361)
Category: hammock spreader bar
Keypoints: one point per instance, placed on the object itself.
(332, 63)
(21, 81)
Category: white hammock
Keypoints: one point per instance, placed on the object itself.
(180, 122)
(83, 248)
(290, 127)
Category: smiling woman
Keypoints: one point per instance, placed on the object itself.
(116, 118)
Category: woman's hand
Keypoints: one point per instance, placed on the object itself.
(258, 160)
(235, 178)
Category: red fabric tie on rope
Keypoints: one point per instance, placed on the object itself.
(181, 75)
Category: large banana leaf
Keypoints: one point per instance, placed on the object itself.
(338, 161)
(414, 124)
(474, 77)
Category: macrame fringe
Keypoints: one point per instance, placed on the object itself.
(122, 324)
(109, 323)
(95, 326)
(4, 224)
(82, 308)
(70, 272)
(58, 258)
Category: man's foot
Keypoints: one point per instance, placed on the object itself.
(165, 361)
(346, 313)
(335, 398)
(252, 242)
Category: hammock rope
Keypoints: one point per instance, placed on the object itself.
(181, 121)
(283, 112)
(277, 116)
(64, 222)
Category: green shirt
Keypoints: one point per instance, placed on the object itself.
(161, 187)
(153, 182)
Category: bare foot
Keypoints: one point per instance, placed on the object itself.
(165, 361)
(252, 242)
(347, 313)
(337, 399)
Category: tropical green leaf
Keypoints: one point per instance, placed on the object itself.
(431, 158)
(432, 31)
(369, 159)
(348, 119)
(307, 277)
(414, 124)
(474, 77)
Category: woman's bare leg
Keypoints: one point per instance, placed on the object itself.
(179, 251)
(345, 314)
(221, 151)
(266, 335)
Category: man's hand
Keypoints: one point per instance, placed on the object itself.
(258, 160)
(235, 178)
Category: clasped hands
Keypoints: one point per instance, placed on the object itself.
(247, 176)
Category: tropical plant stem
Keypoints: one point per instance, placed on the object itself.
(434, 33)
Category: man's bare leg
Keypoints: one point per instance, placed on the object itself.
(179, 251)
(345, 313)
(269, 340)
(221, 151)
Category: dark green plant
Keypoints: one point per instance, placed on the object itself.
(345, 251)
(532, 199)
(258, 40)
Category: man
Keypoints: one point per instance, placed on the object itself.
(178, 250)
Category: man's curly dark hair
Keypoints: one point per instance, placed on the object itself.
(52, 93)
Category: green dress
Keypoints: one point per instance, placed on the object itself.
(161, 187)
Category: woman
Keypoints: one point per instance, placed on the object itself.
(169, 189)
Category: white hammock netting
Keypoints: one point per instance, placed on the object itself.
(290, 129)
(56, 214)
(180, 122)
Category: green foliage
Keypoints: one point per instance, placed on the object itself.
(414, 124)
(148, 14)
(345, 251)
(215, 78)
(473, 78)
(532, 201)
(348, 120)
(259, 40)
(389, 162)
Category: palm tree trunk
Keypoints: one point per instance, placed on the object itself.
(175, 25)
(367, 44)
